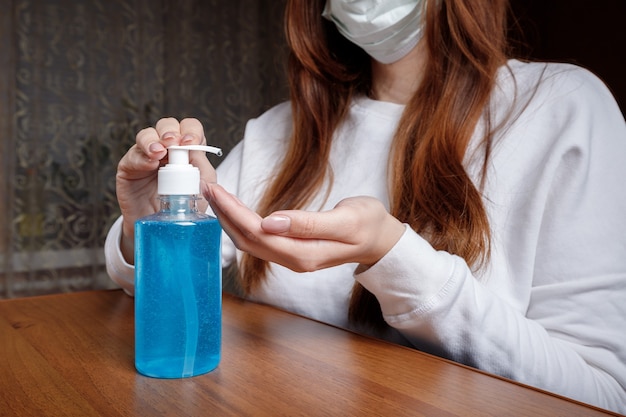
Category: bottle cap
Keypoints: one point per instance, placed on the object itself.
(179, 177)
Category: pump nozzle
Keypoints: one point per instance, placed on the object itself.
(179, 177)
(180, 154)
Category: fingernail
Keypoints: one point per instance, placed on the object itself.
(187, 139)
(168, 136)
(155, 147)
(276, 224)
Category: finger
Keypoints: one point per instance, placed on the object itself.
(225, 222)
(167, 125)
(136, 164)
(240, 223)
(147, 143)
(192, 132)
(207, 176)
(168, 131)
(243, 226)
(153, 141)
(207, 172)
(337, 224)
(276, 224)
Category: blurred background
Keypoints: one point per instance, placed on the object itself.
(79, 78)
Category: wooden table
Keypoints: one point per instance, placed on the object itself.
(72, 354)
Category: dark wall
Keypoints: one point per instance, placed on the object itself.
(590, 34)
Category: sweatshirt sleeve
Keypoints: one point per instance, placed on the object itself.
(433, 299)
(560, 244)
(120, 271)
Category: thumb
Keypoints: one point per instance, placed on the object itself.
(276, 224)
(207, 172)
(309, 224)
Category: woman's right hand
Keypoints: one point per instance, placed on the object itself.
(136, 179)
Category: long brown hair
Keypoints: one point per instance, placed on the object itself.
(429, 187)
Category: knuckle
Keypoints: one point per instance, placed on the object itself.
(249, 235)
(304, 265)
(144, 135)
(240, 241)
(238, 244)
(309, 227)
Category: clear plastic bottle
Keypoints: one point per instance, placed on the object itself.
(178, 278)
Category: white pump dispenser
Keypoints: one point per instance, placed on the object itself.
(179, 177)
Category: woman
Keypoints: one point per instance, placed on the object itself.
(422, 187)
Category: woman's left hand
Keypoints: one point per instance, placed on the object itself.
(358, 229)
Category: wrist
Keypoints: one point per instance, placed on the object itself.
(391, 232)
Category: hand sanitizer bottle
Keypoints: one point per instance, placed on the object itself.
(178, 277)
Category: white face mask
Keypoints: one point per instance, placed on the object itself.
(386, 29)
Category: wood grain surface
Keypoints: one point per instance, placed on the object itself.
(72, 354)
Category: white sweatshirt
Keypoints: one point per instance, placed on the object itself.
(549, 310)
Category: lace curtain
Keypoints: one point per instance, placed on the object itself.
(78, 80)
